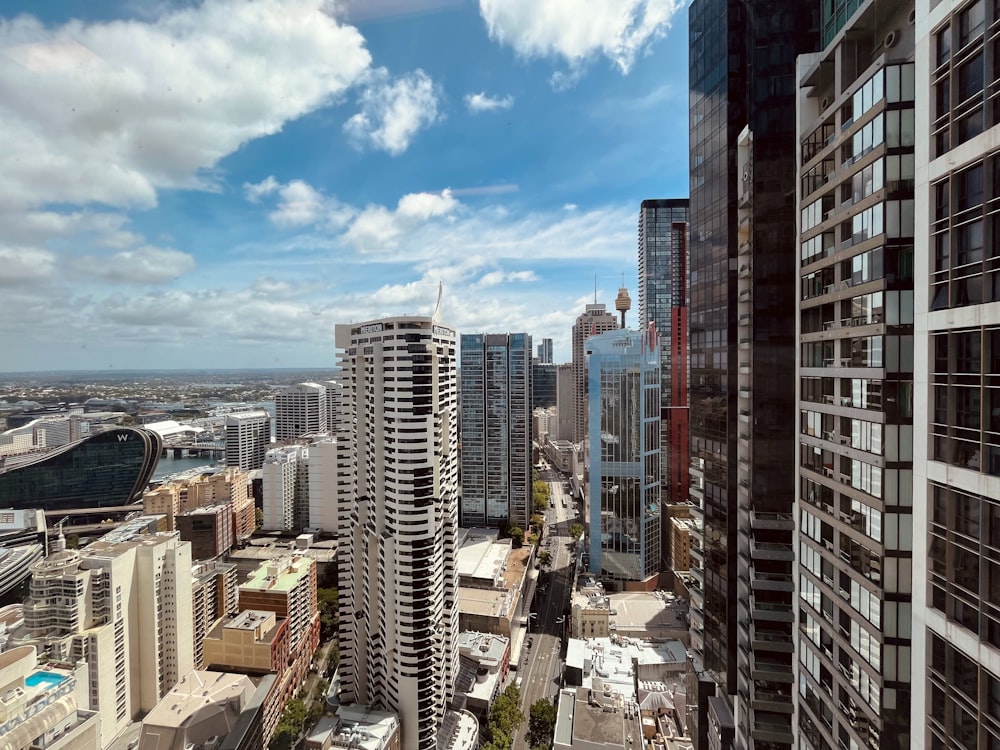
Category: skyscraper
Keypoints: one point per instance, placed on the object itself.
(742, 73)
(397, 579)
(300, 410)
(595, 319)
(248, 434)
(663, 287)
(624, 375)
(496, 430)
(543, 385)
(545, 352)
(855, 317)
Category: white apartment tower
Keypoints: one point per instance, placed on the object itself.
(248, 435)
(302, 485)
(123, 608)
(398, 581)
(956, 389)
(300, 410)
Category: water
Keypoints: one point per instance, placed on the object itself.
(170, 465)
(50, 679)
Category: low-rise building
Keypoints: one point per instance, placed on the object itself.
(657, 614)
(492, 579)
(623, 693)
(251, 642)
(484, 661)
(214, 594)
(199, 710)
(356, 727)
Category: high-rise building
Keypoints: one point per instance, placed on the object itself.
(496, 430)
(299, 410)
(286, 488)
(955, 656)
(854, 541)
(109, 468)
(545, 352)
(248, 435)
(397, 579)
(595, 319)
(565, 402)
(125, 609)
(742, 74)
(543, 385)
(663, 289)
(624, 374)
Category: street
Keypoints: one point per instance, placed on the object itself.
(541, 665)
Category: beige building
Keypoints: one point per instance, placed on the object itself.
(123, 608)
(199, 708)
(214, 594)
(252, 641)
(230, 486)
(41, 705)
(680, 543)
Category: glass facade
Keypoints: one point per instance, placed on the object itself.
(496, 430)
(742, 74)
(663, 300)
(543, 385)
(108, 469)
(624, 401)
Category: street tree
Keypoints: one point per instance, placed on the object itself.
(541, 723)
(576, 531)
(517, 535)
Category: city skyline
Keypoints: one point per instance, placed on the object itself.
(260, 209)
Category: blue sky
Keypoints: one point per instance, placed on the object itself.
(218, 183)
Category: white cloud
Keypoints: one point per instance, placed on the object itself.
(378, 229)
(482, 102)
(619, 30)
(112, 111)
(300, 204)
(495, 278)
(569, 207)
(393, 111)
(144, 265)
(24, 265)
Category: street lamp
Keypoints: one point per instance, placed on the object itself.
(531, 616)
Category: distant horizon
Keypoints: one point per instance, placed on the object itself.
(110, 371)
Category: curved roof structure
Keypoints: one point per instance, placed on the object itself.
(110, 468)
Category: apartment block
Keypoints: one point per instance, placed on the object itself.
(299, 410)
(123, 608)
(856, 114)
(248, 435)
(397, 577)
(496, 430)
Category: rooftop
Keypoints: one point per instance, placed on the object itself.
(481, 555)
(282, 574)
(202, 705)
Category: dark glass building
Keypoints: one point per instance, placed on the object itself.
(663, 300)
(107, 469)
(543, 385)
(742, 75)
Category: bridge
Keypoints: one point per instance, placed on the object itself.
(215, 448)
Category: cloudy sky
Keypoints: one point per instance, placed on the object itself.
(217, 183)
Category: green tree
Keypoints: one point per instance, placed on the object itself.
(258, 518)
(516, 534)
(541, 494)
(544, 557)
(541, 723)
(290, 726)
(504, 720)
(329, 614)
(576, 531)
(538, 521)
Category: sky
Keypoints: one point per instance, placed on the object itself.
(218, 183)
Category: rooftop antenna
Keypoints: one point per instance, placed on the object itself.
(437, 307)
(595, 288)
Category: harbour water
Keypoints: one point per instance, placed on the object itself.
(170, 465)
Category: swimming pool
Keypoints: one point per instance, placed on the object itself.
(43, 679)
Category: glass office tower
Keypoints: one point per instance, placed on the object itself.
(742, 74)
(623, 370)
